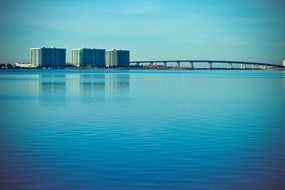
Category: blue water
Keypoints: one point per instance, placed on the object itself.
(142, 130)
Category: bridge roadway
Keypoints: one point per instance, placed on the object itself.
(254, 65)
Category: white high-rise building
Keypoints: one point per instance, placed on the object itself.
(88, 57)
(117, 58)
(283, 63)
(36, 57)
(48, 57)
(111, 58)
(75, 57)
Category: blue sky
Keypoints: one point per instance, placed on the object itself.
(251, 30)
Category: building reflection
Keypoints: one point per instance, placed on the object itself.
(117, 84)
(47, 85)
(34, 85)
(73, 85)
(92, 85)
(53, 85)
(83, 85)
(283, 79)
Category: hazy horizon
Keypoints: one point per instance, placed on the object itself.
(249, 30)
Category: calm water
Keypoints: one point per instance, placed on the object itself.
(142, 130)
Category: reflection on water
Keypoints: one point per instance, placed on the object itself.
(142, 130)
(52, 85)
(283, 80)
(72, 85)
(116, 84)
(90, 85)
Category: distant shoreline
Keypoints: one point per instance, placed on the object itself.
(137, 68)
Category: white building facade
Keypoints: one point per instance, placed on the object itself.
(48, 57)
(88, 57)
(117, 58)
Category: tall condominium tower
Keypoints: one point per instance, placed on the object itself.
(88, 57)
(117, 58)
(48, 57)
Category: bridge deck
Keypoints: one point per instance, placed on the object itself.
(209, 61)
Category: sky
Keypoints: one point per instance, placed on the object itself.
(241, 30)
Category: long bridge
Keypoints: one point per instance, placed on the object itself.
(229, 64)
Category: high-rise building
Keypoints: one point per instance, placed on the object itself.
(283, 63)
(36, 59)
(75, 57)
(111, 58)
(117, 58)
(88, 57)
(48, 57)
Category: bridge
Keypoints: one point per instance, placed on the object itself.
(229, 64)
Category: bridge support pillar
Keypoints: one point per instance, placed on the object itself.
(230, 65)
(191, 65)
(242, 66)
(178, 63)
(210, 65)
(165, 64)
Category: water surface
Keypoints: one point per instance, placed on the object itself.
(142, 129)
